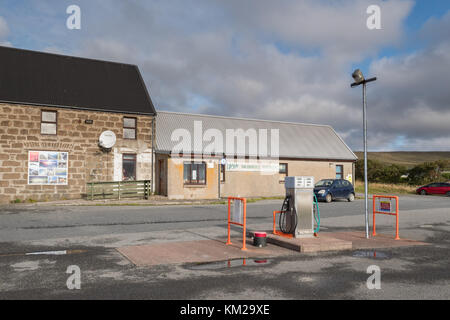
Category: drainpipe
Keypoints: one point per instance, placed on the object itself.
(218, 179)
(153, 154)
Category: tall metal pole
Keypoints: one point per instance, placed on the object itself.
(359, 79)
(365, 161)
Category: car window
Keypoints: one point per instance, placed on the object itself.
(346, 183)
(433, 185)
(324, 183)
(337, 184)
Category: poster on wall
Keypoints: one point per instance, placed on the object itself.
(47, 167)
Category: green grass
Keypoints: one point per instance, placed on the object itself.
(250, 200)
(384, 188)
(197, 202)
(407, 158)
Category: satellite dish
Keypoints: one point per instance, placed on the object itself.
(107, 139)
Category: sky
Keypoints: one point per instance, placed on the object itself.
(268, 59)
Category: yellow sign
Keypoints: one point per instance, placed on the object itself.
(349, 178)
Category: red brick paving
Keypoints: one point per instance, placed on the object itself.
(196, 251)
(216, 250)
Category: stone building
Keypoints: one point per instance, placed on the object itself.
(53, 108)
(201, 156)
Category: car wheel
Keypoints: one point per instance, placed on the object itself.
(351, 197)
(328, 198)
(423, 192)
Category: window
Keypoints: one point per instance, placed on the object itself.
(129, 128)
(345, 183)
(48, 122)
(222, 172)
(339, 171)
(194, 173)
(283, 168)
(128, 167)
(337, 184)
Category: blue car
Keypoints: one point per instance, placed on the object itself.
(330, 189)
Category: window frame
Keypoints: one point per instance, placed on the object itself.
(286, 171)
(135, 164)
(340, 173)
(134, 128)
(50, 122)
(189, 181)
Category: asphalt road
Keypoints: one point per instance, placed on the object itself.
(406, 273)
(20, 223)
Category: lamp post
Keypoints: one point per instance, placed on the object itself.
(359, 79)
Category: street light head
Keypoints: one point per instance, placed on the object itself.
(358, 76)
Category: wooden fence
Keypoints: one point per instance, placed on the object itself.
(118, 190)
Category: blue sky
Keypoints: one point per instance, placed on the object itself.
(280, 60)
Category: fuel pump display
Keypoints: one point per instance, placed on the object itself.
(299, 208)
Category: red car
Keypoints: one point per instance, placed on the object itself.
(435, 188)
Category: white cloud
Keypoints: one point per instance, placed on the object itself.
(335, 27)
(4, 32)
(282, 60)
(411, 98)
(4, 29)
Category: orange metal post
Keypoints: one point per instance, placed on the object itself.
(245, 222)
(229, 218)
(397, 236)
(373, 210)
(274, 222)
(279, 233)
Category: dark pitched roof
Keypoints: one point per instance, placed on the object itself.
(38, 78)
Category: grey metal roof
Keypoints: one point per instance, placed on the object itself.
(296, 140)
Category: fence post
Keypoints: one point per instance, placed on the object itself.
(245, 222)
(146, 189)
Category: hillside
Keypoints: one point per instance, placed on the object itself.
(407, 158)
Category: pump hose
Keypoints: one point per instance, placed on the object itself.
(316, 214)
(283, 216)
(285, 207)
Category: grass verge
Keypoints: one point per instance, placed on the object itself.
(384, 188)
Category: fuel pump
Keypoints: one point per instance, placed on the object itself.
(299, 208)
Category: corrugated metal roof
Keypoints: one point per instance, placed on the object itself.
(45, 79)
(296, 140)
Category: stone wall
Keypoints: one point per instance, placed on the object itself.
(20, 132)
